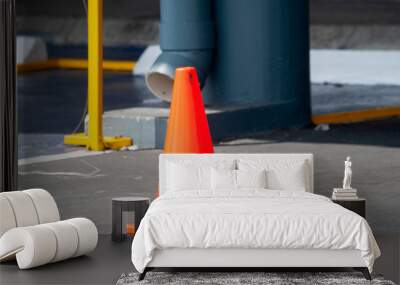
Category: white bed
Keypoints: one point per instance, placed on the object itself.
(248, 227)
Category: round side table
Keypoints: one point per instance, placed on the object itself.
(127, 212)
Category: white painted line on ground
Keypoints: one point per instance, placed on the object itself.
(364, 67)
(96, 172)
(54, 157)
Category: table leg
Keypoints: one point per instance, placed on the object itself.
(116, 234)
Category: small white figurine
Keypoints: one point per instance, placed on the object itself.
(347, 174)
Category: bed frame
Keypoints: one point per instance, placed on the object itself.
(245, 259)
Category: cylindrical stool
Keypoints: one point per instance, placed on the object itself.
(127, 212)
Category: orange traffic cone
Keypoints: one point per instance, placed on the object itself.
(187, 130)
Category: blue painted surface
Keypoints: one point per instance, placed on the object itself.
(80, 51)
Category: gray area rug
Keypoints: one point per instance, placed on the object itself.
(229, 278)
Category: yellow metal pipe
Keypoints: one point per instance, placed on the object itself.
(94, 140)
(37, 65)
(119, 65)
(95, 74)
(109, 65)
(356, 116)
(72, 63)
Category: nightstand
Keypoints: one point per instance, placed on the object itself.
(127, 212)
(357, 205)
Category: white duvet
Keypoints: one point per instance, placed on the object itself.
(250, 219)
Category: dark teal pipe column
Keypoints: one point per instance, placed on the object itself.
(186, 39)
(261, 58)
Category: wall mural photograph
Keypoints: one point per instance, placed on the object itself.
(200, 142)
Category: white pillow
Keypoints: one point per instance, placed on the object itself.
(223, 179)
(186, 174)
(227, 179)
(182, 177)
(251, 178)
(291, 175)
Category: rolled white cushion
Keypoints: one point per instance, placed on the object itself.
(23, 208)
(37, 245)
(7, 219)
(67, 240)
(33, 246)
(87, 233)
(46, 207)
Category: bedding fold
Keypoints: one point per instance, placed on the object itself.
(251, 218)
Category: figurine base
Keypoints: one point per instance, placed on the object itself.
(344, 194)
